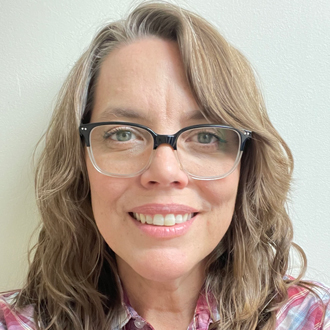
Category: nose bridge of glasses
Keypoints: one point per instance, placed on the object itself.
(164, 139)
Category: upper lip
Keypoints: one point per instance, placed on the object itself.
(163, 209)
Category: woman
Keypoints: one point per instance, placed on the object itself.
(153, 216)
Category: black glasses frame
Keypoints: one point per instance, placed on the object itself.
(159, 139)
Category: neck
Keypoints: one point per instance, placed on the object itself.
(167, 304)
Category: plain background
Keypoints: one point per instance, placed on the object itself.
(287, 42)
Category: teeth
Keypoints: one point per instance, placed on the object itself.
(143, 218)
(158, 220)
(179, 218)
(149, 219)
(169, 220)
(162, 220)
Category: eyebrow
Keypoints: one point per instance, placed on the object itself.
(196, 115)
(134, 114)
(121, 112)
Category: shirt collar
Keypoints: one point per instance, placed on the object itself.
(206, 311)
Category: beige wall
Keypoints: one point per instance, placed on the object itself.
(286, 41)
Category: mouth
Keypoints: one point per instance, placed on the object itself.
(162, 219)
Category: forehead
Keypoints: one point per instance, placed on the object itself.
(144, 79)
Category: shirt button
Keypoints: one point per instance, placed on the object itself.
(139, 323)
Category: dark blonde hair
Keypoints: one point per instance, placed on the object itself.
(72, 279)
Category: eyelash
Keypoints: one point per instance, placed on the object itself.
(113, 131)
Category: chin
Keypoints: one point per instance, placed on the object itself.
(163, 268)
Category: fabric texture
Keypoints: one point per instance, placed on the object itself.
(303, 310)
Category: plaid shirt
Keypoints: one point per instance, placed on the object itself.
(302, 311)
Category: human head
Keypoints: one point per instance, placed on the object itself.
(224, 87)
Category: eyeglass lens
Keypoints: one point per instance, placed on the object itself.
(125, 150)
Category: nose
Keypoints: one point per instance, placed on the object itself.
(164, 170)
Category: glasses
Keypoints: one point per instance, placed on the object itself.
(205, 152)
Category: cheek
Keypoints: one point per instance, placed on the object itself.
(221, 196)
(104, 188)
(108, 203)
(106, 194)
(222, 193)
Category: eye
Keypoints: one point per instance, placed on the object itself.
(205, 138)
(123, 136)
(120, 134)
(209, 137)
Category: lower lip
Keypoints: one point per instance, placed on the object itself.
(177, 230)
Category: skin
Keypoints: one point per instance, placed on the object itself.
(147, 77)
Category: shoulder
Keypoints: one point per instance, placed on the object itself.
(305, 309)
(10, 318)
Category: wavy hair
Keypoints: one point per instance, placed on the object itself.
(72, 280)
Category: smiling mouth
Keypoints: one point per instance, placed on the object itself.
(162, 219)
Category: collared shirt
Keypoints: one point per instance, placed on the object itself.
(203, 315)
(302, 311)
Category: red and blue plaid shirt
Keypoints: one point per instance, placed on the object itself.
(302, 311)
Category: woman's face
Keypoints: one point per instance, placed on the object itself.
(144, 82)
